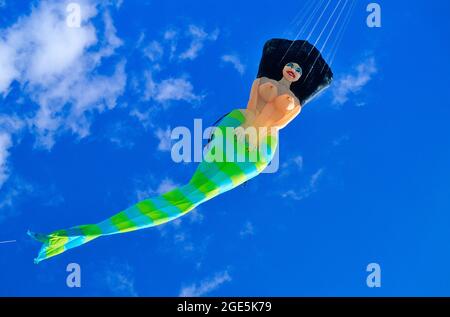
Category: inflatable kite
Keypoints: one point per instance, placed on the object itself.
(290, 74)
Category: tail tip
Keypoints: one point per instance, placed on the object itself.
(32, 235)
(37, 236)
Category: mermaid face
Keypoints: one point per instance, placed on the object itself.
(292, 72)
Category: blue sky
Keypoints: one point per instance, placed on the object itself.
(84, 121)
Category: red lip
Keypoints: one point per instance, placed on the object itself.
(291, 73)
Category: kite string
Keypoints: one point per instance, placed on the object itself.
(286, 30)
(329, 35)
(325, 27)
(341, 33)
(334, 26)
(315, 10)
(301, 15)
(318, 20)
(312, 12)
(339, 36)
(322, 49)
(326, 41)
(8, 241)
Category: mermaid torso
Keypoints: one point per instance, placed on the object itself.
(273, 104)
(270, 95)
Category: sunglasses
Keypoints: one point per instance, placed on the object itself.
(297, 69)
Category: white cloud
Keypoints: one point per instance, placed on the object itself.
(9, 72)
(9, 125)
(118, 3)
(16, 190)
(163, 187)
(144, 117)
(353, 83)
(198, 38)
(171, 89)
(5, 145)
(120, 134)
(248, 230)
(43, 46)
(205, 286)
(291, 193)
(296, 162)
(195, 216)
(165, 142)
(178, 238)
(154, 51)
(340, 140)
(86, 94)
(119, 279)
(150, 86)
(170, 34)
(111, 41)
(176, 89)
(171, 37)
(56, 66)
(177, 235)
(235, 62)
(166, 185)
(306, 191)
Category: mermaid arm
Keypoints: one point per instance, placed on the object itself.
(252, 111)
(252, 102)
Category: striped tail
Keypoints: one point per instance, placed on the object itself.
(211, 178)
(147, 213)
(61, 240)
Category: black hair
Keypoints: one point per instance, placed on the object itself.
(317, 75)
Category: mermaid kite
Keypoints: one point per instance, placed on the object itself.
(290, 74)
